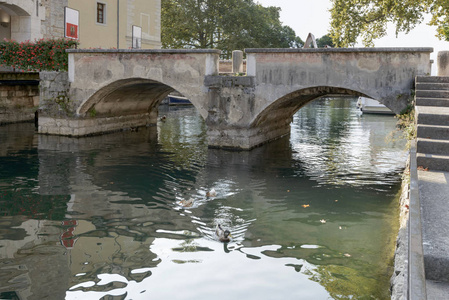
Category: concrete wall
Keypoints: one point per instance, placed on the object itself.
(19, 97)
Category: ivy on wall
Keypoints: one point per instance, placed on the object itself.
(41, 55)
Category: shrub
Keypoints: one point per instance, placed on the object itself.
(42, 55)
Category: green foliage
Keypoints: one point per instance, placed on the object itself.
(368, 19)
(324, 41)
(224, 24)
(42, 55)
(406, 127)
(406, 123)
(92, 112)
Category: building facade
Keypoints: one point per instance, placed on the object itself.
(99, 24)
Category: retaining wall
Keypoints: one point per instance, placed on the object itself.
(19, 97)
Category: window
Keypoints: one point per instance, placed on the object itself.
(101, 10)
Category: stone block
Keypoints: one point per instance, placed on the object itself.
(443, 63)
(237, 61)
(64, 130)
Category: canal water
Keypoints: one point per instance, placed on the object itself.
(313, 215)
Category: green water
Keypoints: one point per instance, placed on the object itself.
(313, 215)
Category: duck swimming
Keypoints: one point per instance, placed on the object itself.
(186, 203)
(223, 235)
(211, 193)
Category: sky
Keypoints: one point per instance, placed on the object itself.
(313, 17)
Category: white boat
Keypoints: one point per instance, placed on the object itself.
(178, 100)
(371, 106)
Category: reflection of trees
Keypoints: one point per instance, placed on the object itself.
(23, 201)
(346, 283)
(182, 133)
(341, 150)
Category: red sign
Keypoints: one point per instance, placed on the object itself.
(71, 31)
(71, 23)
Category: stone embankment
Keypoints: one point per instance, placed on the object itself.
(399, 278)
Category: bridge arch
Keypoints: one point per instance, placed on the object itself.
(131, 96)
(101, 79)
(281, 111)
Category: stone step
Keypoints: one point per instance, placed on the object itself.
(432, 146)
(431, 94)
(432, 86)
(432, 115)
(433, 191)
(433, 132)
(434, 79)
(421, 101)
(433, 162)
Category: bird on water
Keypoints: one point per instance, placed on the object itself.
(211, 193)
(223, 235)
(186, 203)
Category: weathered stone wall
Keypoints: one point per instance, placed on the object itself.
(90, 126)
(19, 97)
(232, 104)
(398, 280)
(102, 78)
(57, 111)
(54, 100)
(384, 74)
(53, 24)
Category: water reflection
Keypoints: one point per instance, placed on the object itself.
(313, 215)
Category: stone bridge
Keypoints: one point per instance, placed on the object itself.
(109, 90)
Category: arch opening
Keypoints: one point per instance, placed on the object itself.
(13, 10)
(128, 97)
(281, 111)
(15, 22)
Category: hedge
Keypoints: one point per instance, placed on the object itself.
(42, 55)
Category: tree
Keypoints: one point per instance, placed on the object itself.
(224, 24)
(324, 41)
(368, 19)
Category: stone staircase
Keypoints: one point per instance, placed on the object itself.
(432, 117)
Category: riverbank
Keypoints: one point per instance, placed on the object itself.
(398, 280)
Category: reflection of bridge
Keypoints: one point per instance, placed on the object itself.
(117, 89)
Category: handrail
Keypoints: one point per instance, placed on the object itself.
(416, 274)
